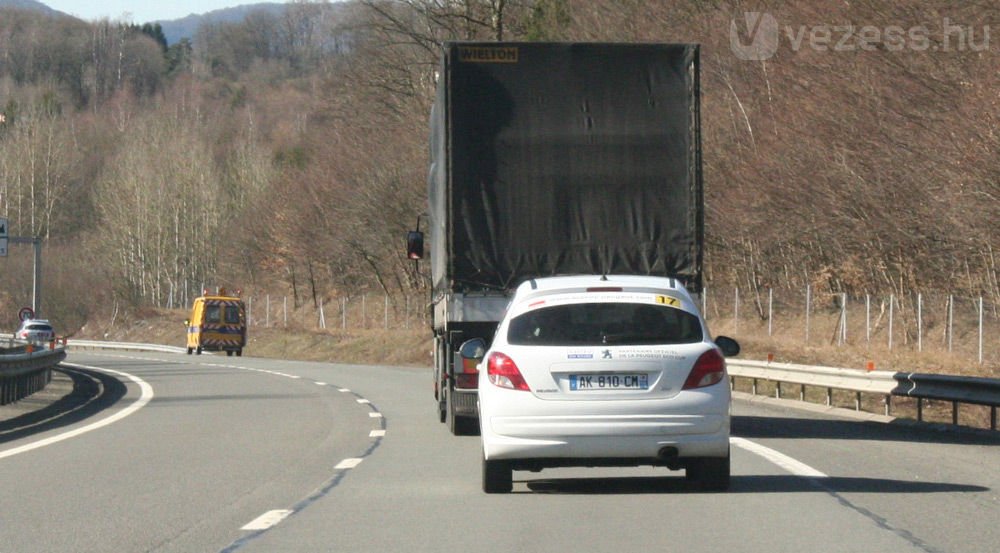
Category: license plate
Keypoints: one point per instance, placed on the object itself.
(587, 382)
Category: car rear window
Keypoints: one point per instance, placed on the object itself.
(232, 314)
(39, 327)
(595, 324)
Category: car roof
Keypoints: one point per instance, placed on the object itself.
(579, 283)
(35, 321)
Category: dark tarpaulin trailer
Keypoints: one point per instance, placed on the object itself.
(565, 159)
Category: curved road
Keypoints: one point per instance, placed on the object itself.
(188, 454)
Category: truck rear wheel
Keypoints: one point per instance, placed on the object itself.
(709, 473)
(497, 477)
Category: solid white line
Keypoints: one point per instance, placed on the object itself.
(784, 461)
(348, 464)
(267, 520)
(145, 397)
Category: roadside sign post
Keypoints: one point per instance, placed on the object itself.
(36, 284)
(3, 237)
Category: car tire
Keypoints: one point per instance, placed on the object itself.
(198, 351)
(239, 353)
(497, 477)
(189, 350)
(711, 474)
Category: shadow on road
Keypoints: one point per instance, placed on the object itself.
(741, 484)
(92, 392)
(905, 431)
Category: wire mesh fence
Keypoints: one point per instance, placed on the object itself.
(918, 321)
(364, 312)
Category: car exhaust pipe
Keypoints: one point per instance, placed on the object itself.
(668, 453)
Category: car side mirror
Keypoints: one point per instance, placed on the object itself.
(415, 245)
(729, 347)
(473, 350)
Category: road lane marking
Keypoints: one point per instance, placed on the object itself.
(344, 391)
(348, 464)
(145, 397)
(376, 434)
(267, 520)
(375, 415)
(321, 383)
(363, 401)
(793, 466)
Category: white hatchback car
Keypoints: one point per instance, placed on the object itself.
(603, 371)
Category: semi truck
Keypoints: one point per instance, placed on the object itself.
(553, 159)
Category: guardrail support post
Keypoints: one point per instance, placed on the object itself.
(802, 392)
(993, 417)
(920, 409)
(754, 387)
(829, 397)
(857, 401)
(777, 390)
(888, 404)
(954, 412)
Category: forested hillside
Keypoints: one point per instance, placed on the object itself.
(287, 153)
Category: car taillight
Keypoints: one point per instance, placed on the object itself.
(708, 370)
(503, 372)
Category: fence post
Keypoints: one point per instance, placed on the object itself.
(868, 318)
(770, 311)
(736, 310)
(322, 316)
(267, 311)
(920, 322)
(704, 302)
(951, 314)
(343, 314)
(843, 318)
(980, 330)
(891, 301)
(808, 306)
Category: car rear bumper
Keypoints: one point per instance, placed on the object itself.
(518, 426)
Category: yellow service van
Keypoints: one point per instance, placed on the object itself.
(217, 323)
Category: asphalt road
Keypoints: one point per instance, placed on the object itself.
(189, 454)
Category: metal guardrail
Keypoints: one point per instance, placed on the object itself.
(954, 389)
(124, 346)
(26, 369)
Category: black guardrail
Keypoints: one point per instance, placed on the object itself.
(26, 369)
(955, 389)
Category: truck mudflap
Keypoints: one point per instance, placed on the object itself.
(465, 403)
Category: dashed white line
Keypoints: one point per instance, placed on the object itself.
(344, 391)
(376, 434)
(375, 415)
(321, 383)
(363, 401)
(267, 520)
(348, 464)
